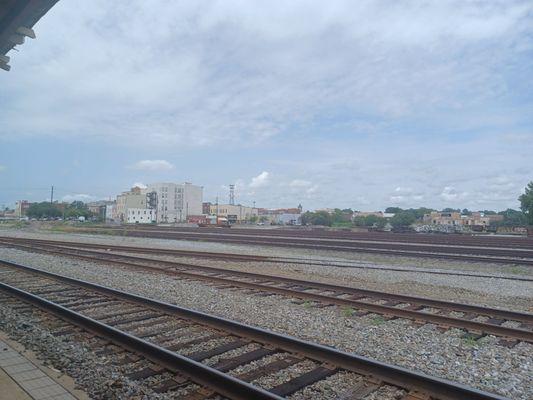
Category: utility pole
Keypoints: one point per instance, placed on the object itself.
(52, 195)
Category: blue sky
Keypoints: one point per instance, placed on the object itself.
(339, 104)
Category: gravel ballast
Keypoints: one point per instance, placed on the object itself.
(483, 364)
(492, 292)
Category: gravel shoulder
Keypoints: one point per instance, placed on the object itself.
(493, 292)
(483, 364)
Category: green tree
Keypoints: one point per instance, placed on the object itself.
(489, 212)
(322, 218)
(526, 202)
(253, 219)
(393, 210)
(511, 218)
(317, 218)
(448, 209)
(77, 209)
(402, 219)
(420, 212)
(370, 221)
(43, 210)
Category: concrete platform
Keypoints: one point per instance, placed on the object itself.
(24, 379)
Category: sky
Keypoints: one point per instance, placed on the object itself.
(360, 105)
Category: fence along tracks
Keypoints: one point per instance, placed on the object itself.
(164, 334)
(479, 321)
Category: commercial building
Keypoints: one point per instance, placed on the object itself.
(110, 211)
(99, 208)
(281, 216)
(379, 214)
(21, 207)
(235, 213)
(175, 202)
(140, 216)
(455, 218)
(135, 198)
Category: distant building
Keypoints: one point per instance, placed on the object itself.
(110, 211)
(455, 218)
(282, 216)
(99, 208)
(175, 202)
(134, 199)
(21, 208)
(235, 213)
(287, 219)
(140, 216)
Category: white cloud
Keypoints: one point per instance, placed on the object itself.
(299, 183)
(139, 185)
(260, 180)
(243, 72)
(69, 198)
(449, 193)
(153, 165)
(312, 189)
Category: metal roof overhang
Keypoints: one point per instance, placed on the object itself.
(17, 18)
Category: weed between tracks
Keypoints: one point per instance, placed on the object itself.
(377, 320)
(470, 340)
(348, 311)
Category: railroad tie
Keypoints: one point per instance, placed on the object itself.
(301, 381)
(361, 390)
(204, 354)
(145, 373)
(171, 384)
(269, 368)
(227, 364)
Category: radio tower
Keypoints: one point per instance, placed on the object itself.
(232, 195)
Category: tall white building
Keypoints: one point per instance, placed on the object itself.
(175, 202)
(140, 216)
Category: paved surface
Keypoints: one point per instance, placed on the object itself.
(20, 379)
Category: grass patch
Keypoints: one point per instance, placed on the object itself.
(470, 340)
(348, 311)
(378, 320)
(15, 224)
(307, 304)
(517, 270)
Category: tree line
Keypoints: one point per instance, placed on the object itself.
(406, 217)
(46, 209)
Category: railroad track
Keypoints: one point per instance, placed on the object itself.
(26, 243)
(413, 238)
(479, 321)
(470, 254)
(193, 347)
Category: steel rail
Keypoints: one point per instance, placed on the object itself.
(276, 242)
(441, 320)
(192, 253)
(395, 375)
(239, 257)
(417, 238)
(526, 317)
(197, 372)
(363, 244)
